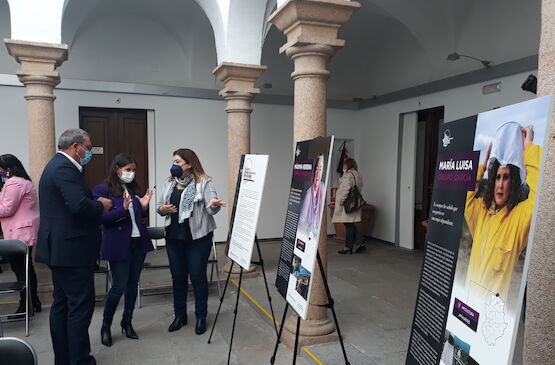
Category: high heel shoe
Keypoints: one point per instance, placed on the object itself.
(345, 251)
(106, 335)
(200, 327)
(127, 328)
(177, 323)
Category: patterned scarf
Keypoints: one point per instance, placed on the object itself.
(188, 197)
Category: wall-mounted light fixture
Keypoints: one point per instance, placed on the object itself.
(491, 88)
(455, 56)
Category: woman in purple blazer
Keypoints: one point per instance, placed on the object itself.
(19, 216)
(125, 241)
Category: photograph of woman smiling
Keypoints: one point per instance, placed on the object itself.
(499, 221)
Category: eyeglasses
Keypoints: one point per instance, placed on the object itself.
(85, 147)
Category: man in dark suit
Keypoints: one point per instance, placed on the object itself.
(69, 243)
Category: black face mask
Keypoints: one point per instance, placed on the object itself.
(176, 171)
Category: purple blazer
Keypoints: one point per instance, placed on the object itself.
(116, 234)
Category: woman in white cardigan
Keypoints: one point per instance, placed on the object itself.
(350, 178)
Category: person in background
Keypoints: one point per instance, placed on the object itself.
(125, 241)
(188, 202)
(350, 178)
(69, 243)
(19, 217)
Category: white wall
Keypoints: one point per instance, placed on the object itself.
(183, 122)
(272, 133)
(378, 132)
(201, 125)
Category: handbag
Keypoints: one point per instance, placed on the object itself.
(354, 200)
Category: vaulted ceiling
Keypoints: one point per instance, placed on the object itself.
(391, 45)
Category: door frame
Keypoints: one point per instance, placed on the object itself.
(152, 177)
(406, 175)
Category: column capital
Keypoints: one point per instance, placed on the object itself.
(313, 21)
(239, 77)
(38, 64)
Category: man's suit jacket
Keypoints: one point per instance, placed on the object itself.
(69, 233)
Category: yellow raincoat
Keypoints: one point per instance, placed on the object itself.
(499, 236)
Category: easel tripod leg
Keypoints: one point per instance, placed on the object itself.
(235, 315)
(221, 301)
(332, 307)
(295, 350)
(266, 284)
(273, 359)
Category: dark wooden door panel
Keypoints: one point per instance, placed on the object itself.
(114, 131)
(135, 141)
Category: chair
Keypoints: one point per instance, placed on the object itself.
(158, 233)
(17, 351)
(11, 248)
(214, 262)
(105, 270)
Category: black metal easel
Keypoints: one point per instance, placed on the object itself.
(330, 305)
(260, 263)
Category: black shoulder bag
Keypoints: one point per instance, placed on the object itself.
(354, 200)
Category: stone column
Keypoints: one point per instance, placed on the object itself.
(239, 91)
(38, 63)
(311, 28)
(539, 334)
(37, 72)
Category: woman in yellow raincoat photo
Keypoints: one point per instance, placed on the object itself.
(499, 221)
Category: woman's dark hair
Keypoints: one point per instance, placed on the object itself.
(350, 163)
(190, 157)
(113, 181)
(16, 168)
(515, 195)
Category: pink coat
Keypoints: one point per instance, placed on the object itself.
(19, 210)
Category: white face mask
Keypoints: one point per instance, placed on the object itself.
(127, 176)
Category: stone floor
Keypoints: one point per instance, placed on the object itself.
(375, 293)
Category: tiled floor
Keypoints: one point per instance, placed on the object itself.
(375, 293)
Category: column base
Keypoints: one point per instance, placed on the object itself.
(251, 273)
(312, 332)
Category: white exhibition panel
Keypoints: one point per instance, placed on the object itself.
(247, 209)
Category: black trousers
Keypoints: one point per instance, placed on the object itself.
(71, 314)
(18, 267)
(350, 234)
(125, 277)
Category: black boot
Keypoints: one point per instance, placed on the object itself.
(177, 323)
(106, 335)
(127, 327)
(200, 328)
(37, 305)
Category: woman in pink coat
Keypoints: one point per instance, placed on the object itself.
(19, 216)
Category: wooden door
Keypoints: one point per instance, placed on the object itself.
(114, 131)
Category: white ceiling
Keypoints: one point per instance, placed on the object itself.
(391, 45)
